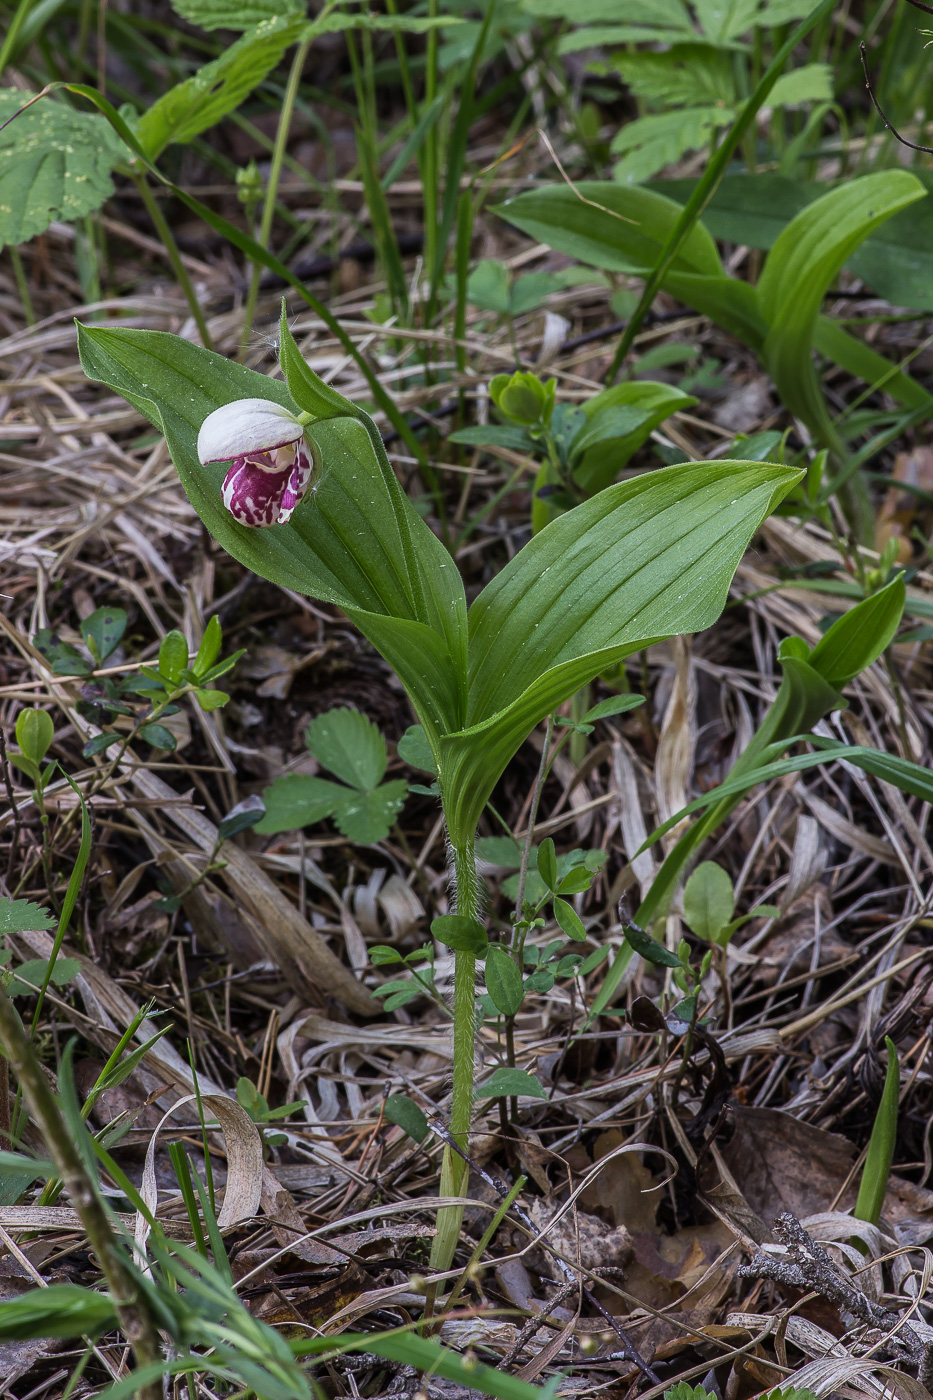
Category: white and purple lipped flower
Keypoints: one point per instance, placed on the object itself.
(272, 462)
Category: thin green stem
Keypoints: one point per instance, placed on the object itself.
(272, 188)
(12, 34)
(161, 226)
(532, 818)
(22, 285)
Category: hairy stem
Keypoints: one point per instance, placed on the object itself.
(453, 1168)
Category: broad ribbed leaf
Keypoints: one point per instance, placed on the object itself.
(355, 541)
(643, 560)
(55, 163)
(624, 229)
(610, 226)
(602, 461)
(802, 265)
(202, 100)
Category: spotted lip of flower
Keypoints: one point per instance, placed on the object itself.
(272, 462)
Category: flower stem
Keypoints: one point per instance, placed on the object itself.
(162, 228)
(453, 1168)
(272, 188)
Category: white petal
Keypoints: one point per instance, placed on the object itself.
(246, 425)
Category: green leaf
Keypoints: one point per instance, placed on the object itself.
(649, 948)
(235, 14)
(881, 1144)
(503, 852)
(649, 143)
(298, 800)
(414, 748)
(209, 650)
(813, 82)
(506, 1082)
(860, 636)
(99, 744)
(211, 699)
(604, 447)
(645, 559)
(103, 632)
(55, 163)
(29, 976)
(801, 266)
(615, 705)
(244, 815)
(380, 955)
(569, 920)
(503, 980)
(202, 100)
(367, 817)
(173, 658)
(34, 734)
(356, 541)
(60, 1310)
(489, 286)
(709, 901)
(350, 746)
(508, 435)
(547, 863)
(158, 736)
(400, 1110)
(460, 933)
(21, 916)
(693, 73)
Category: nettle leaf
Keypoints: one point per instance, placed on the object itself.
(55, 163)
(356, 541)
(505, 1082)
(202, 100)
(298, 800)
(236, 14)
(21, 916)
(350, 746)
(367, 817)
(811, 83)
(649, 143)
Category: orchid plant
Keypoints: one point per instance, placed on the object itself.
(293, 480)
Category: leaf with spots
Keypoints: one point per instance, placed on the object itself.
(55, 163)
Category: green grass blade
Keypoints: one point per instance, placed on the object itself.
(877, 1168)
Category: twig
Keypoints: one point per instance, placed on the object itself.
(927, 150)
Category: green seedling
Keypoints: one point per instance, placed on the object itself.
(255, 1104)
(362, 806)
(582, 449)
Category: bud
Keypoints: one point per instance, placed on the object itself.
(522, 398)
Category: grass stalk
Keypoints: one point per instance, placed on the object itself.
(162, 228)
(272, 188)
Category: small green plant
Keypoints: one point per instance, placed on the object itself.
(780, 319)
(145, 697)
(362, 806)
(256, 1105)
(582, 448)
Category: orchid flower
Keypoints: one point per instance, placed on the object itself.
(272, 459)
